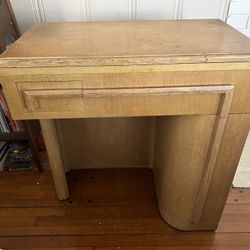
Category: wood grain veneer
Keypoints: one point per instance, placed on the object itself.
(190, 78)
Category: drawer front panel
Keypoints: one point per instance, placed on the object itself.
(70, 99)
(52, 100)
(51, 96)
(150, 105)
(106, 80)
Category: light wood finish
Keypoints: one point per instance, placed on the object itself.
(191, 77)
(53, 103)
(156, 91)
(55, 155)
(31, 217)
(181, 149)
(105, 142)
(183, 142)
(32, 97)
(233, 141)
(216, 138)
(179, 77)
(151, 144)
(125, 43)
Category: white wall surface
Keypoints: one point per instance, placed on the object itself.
(29, 12)
(239, 16)
(242, 176)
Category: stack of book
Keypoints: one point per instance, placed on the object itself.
(4, 149)
(13, 155)
(7, 124)
(19, 156)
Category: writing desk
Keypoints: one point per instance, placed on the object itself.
(192, 76)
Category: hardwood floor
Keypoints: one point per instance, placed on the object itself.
(108, 209)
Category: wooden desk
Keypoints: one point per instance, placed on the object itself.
(192, 76)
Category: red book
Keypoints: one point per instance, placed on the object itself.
(13, 124)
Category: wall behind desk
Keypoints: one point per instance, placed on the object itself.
(29, 12)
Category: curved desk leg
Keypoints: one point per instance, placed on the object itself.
(55, 158)
(182, 145)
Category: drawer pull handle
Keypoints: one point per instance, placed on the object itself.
(31, 97)
(53, 93)
(154, 91)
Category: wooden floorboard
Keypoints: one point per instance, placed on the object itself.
(108, 209)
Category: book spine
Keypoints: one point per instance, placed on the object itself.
(1, 128)
(3, 161)
(4, 122)
(12, 123)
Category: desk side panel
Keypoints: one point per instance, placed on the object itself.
(181, 147)
(232, 144)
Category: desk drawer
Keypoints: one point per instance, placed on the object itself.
(51, 96)
(52, 100)
(70, 99)
(149, 101)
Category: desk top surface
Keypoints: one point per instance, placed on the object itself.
(126, 43)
